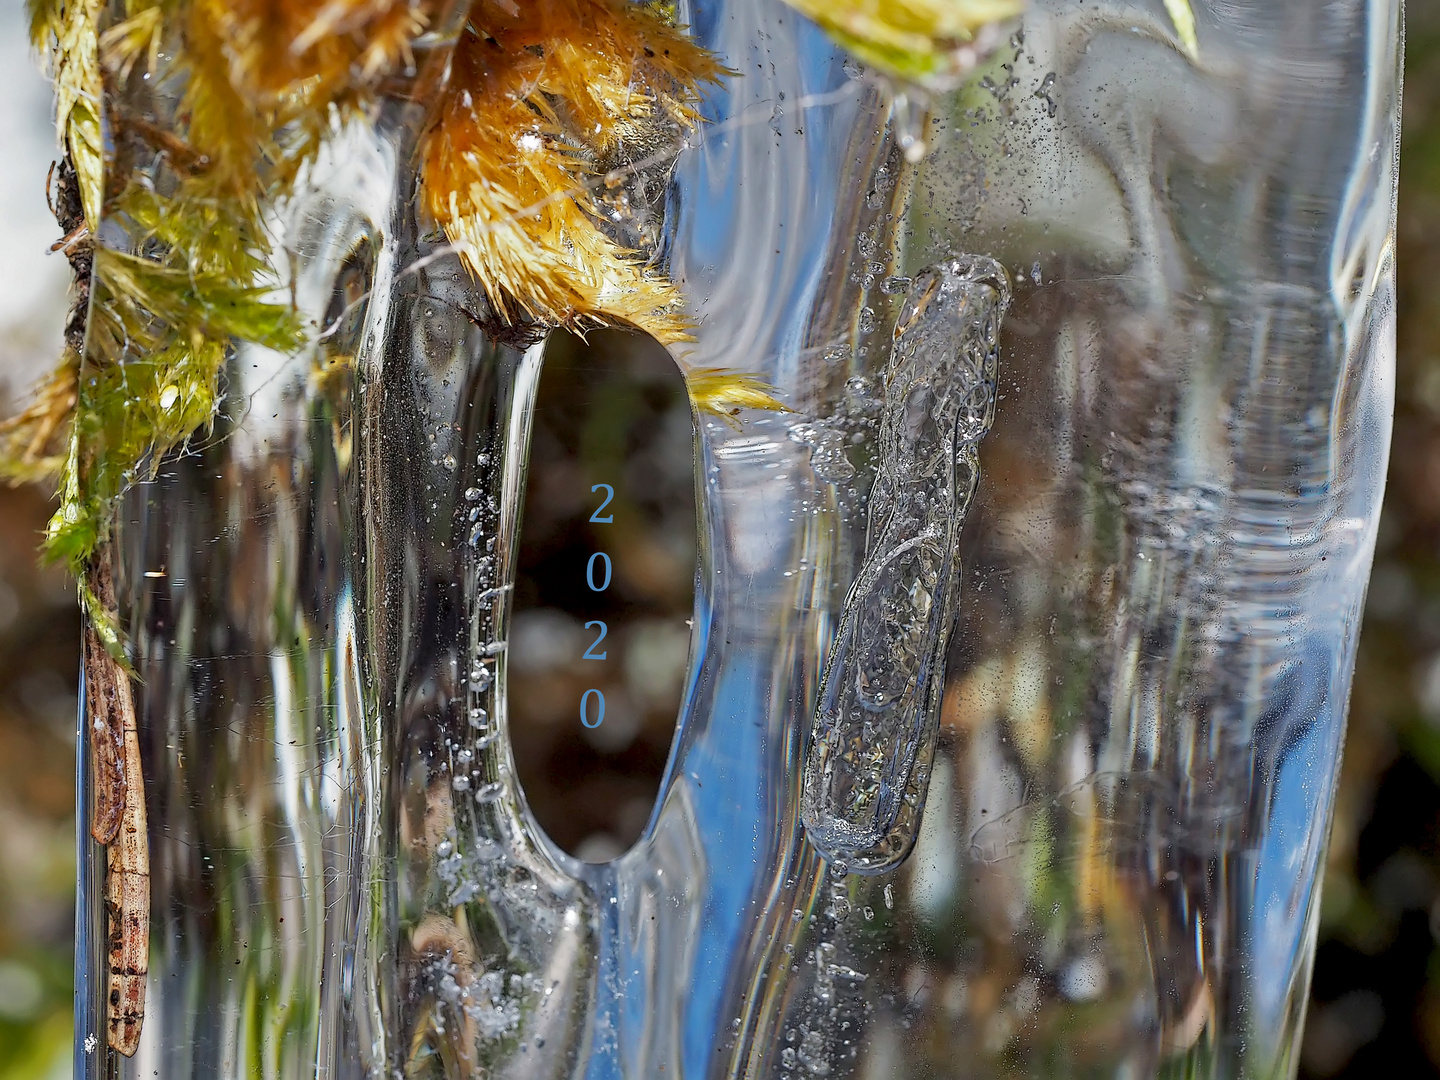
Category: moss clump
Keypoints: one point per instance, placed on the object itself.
(542, 95)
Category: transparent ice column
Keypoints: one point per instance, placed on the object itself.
(1021, 646)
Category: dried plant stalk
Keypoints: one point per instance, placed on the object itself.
(105, 705)
(118, 820)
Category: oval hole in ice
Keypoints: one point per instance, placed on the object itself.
(604, 588)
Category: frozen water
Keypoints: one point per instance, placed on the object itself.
(880, 695)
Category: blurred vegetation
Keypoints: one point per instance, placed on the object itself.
(1375, 1007)
(39, 652)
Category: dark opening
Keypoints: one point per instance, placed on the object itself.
(604, 591)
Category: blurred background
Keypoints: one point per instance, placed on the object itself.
(1375, 1007)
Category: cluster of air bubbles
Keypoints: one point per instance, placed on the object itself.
(492, 1001)
(827, 451)
(497, 1012)
(811, 1054)
(480, 679)
(884, 184)
(484, 566)
(474, 498)
(481, 511)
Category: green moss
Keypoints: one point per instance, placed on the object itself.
(157, 341)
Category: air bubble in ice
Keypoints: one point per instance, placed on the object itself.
(827, 451)
(812, 1054)
(1045, 94)
(878, 706)
(909, 113)
(463, 893)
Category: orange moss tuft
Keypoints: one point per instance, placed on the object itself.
(540, 93)
(292, 54)
(32, 443)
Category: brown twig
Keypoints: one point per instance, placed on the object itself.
(118, 820)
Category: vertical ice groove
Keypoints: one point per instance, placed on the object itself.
(880, 692)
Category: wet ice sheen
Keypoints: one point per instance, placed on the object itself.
(1127, 835)
(874, 725)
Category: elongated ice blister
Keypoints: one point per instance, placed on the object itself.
(875, 723)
